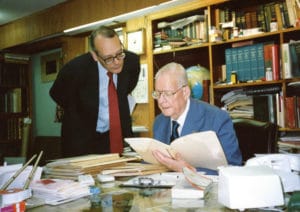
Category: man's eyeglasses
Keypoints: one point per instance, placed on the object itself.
(166, 94)
(110, 60)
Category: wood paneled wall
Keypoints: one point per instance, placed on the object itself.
(63, 16)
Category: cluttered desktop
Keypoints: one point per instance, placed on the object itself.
(111, 182)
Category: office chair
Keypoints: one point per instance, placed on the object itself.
(255, 137)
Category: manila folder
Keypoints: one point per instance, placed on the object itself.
(201, 149)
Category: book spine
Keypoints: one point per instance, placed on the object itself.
(295, 58)
(240, 64)
(260, 61)
(253, 63)
(278, 16)
(291, 12)
(261, 108)
(290, 103)
(228, 61)
(286, 61)
(275, 62)
(247, 63)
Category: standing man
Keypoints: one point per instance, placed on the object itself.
(82, 90)
(173, 97)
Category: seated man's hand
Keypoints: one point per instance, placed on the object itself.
(175, 164)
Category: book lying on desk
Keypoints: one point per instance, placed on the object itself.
(193, 186)
(201, 149)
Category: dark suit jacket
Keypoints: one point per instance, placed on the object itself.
(202, 117)
(76, 90)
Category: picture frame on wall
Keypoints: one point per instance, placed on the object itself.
(50, 66)
(136, 42)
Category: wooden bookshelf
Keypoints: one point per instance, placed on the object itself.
(212, 54)
(15, 102)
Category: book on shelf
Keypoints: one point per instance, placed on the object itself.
(294, 47)
(292, 111)
(265, 108)
(271, 57)
(293, 11)
(280, 111)
(195, 148)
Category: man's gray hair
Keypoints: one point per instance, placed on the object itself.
(176, 70)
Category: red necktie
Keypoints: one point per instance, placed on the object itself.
(115, 132)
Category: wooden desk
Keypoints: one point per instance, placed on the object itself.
(116, 198)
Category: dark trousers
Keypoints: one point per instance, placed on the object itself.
(101, 143)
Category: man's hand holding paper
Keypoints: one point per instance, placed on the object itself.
(201, 149)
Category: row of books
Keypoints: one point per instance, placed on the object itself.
(285, 13)
(251, 62)
(11, 129)
(13, 74)
(186, 31)
(11, 101)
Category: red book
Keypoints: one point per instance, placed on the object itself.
(271, 57)
(290, 112)
(275, 62)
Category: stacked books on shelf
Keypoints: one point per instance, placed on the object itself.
(186, 31)
(289, 143)
(255, 103)
(71, 168)
(238, 104)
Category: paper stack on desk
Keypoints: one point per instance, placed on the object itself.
(57, 191)
(134, 169)
(71, 168)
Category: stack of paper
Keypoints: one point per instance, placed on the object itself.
(57, 191)
(12, 196)
(134, 169)
(71, 168)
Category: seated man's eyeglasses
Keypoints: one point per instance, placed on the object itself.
(109, 60)
(166, 94)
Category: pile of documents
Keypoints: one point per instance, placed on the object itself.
(71, 168)
(134, 169)
(57, 191)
